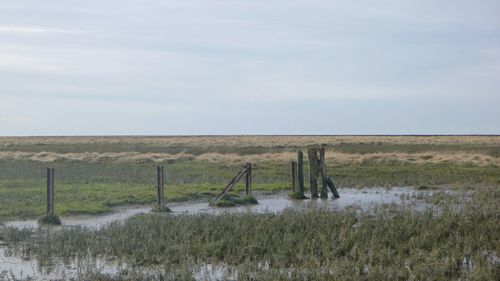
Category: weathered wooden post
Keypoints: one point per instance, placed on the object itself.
(248, 180)
(300, 171)
(312, 154)
(160, 191)
(50, 217)
(294, 176)
(322, 170)
(50, 191)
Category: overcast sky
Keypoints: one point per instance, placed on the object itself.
(249, 67)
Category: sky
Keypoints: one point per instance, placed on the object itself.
(209, 67)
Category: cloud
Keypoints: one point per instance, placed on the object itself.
(35, 30)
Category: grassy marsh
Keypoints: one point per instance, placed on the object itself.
(94, 174)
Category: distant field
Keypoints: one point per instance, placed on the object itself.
(96, 173)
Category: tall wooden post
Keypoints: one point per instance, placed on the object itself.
(50, 191)
(294, 176)
(300, 171)
(160, 194)
(312, 154)
(322, 170)
(248, 180)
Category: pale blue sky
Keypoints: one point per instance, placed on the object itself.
(249, 67)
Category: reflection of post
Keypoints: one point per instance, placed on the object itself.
(294, 176)
(248, 179)
(300, 171)
(322, 170)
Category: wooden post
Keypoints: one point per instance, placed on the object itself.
(322, 170)
(294, 176)
(49, 191)
(159, 187)
(312, 154)
(300, 171)
(52, 192)
(162, 187)
(248, 180)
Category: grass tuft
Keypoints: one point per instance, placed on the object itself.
(50, 219)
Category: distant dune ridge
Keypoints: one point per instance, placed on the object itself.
(432, 155)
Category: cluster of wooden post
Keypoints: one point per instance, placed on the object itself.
(317, 169)
(50, 191)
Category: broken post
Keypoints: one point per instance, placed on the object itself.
(300, 172)
(248, 180)
(322, 170)
(312, 154)
(294, 176)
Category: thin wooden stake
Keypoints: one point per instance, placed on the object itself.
(294, 176)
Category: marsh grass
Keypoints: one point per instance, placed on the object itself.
(386, 244)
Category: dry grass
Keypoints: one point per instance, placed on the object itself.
(336, 158)
(239, 141)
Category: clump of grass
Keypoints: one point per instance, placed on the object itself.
(297, 195)
(161, 209)
(50, 219)
(234, 200)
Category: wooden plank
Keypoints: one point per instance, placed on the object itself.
(230, 185)
(294, 176)
(300, 171)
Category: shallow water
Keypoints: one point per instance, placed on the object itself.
(364, 199)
